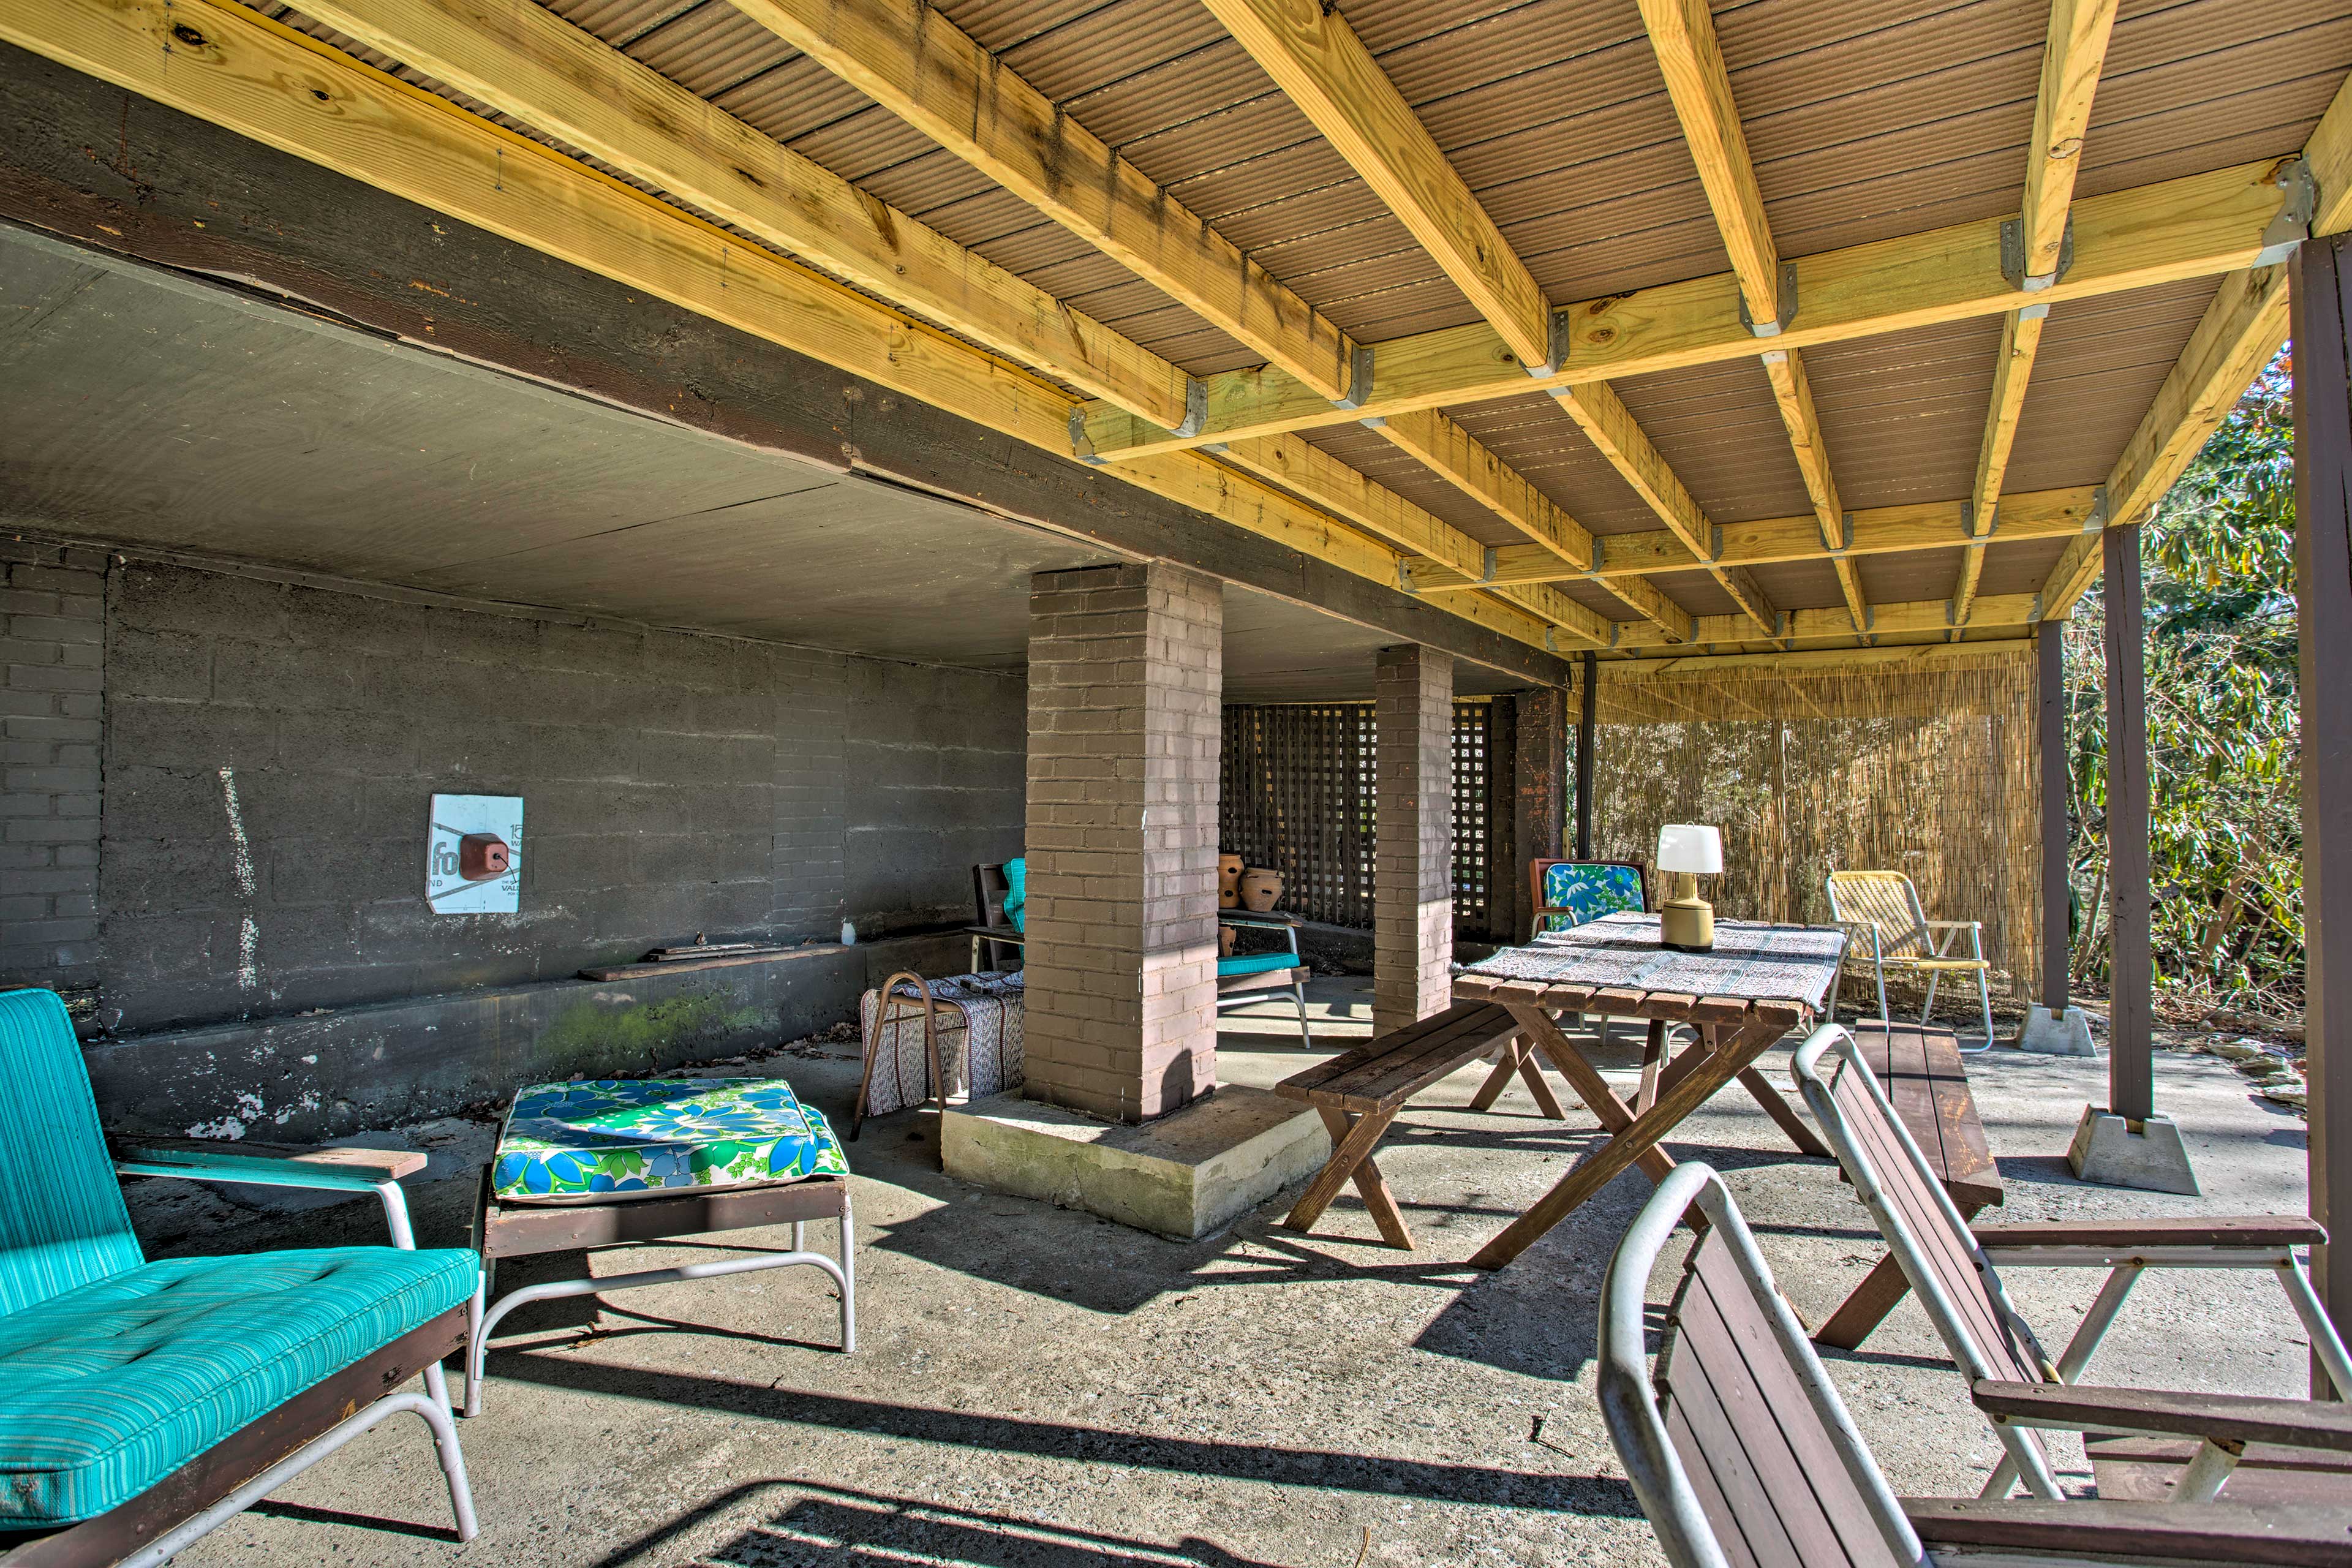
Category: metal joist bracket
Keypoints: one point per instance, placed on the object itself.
(1714, 543)
(2013, 257)
(1081, 447)
(1360, 379)
(1784, 306)
(1404, 575)
(2291, 226)
(2096, 519)
(1556, 347)
(1196, 408)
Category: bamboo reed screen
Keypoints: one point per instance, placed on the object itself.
(1932, 771)
(1297, 796)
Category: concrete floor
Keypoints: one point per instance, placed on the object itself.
(1037, 1387)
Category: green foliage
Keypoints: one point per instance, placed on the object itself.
(2218, 560)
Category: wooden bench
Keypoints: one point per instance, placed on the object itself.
(1922, 1073)
(1360, 1092)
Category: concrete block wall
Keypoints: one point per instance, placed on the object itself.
(1412, 915)
(269, 750)
(1126, 673)
(52, 709)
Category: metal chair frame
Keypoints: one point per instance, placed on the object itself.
(1936, 936)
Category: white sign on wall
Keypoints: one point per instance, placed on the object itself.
(473, 855)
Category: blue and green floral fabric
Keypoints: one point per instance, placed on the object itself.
(1016, 893)
(1576, 891)
(610, 1137)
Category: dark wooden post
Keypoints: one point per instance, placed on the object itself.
(1584, 726)
(1504, 880)
(2057, 933)
(1541, 771)
(2322, 293)
(2131, 976)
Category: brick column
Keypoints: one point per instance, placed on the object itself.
(1412, 915)
(1125, 675)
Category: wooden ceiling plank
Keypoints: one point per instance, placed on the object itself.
(1316, 58)
(229, 65)
(1909, 617)
(524, 60)
(2198, 225)
(908, 57)
(2072, 54)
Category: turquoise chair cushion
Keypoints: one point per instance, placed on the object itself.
(62, 1223)
(1586, 891)
(1256, 963)
(1016, 893)
(106, 1389)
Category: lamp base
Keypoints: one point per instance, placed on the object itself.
(1686, 925)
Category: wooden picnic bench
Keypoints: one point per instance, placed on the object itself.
(1360, 1092)
(1927, 1084)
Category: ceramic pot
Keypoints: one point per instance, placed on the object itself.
(1229, 879)
(1225, 943)
(1260, 888)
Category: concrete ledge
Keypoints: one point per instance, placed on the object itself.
(1189, 1173)
(2119, 1154)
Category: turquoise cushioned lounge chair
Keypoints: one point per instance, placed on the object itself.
(142, 1403)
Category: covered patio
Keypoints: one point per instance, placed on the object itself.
(803, 458)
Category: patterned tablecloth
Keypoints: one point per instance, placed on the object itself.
(1754, 961)
(980, 1028)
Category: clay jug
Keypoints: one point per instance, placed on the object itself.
(1260, 888)
(1229, 879)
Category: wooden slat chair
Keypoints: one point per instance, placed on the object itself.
(1886, 906)
(144, 1403)
(1953, 1268)
(1744, 1457)
(1567, 894)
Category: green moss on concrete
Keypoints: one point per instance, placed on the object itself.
(616, 1034)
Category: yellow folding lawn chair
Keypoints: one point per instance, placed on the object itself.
(1885, 906)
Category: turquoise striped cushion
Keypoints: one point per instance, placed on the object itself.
(63, 1224)
(1256, 963)
(106, 1389)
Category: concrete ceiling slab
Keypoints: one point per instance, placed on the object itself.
(146, 410)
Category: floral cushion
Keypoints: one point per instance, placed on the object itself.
(609, 1138)
(1016, 893)
(1576, 891)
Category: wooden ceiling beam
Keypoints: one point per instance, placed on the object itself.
(2239, 332)
(1603, 417)
(1690, 58)
(908, 57)
(1316, 58)
(1874, 530)
(2195, 226)
(231, 66)
(1909, 617)
(2072, 54)
(527, 62)
(1455, 456)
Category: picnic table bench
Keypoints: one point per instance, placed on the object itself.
(1358, 1092)
(1927, 1084)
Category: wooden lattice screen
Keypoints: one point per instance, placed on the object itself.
(1297, 796)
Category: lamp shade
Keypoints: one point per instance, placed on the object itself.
(1684, 846)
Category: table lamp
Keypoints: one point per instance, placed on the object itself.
(1685, 921)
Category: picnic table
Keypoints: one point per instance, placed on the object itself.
(1758, 983)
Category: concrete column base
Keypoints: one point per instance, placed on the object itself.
(2149, 1156)
(1189, 1173)
(2066, 1034)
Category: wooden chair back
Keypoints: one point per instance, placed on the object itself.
(1737, 1446)
(1887, 901)
(988, 887)
(1930, 1239)
(1569, 892)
